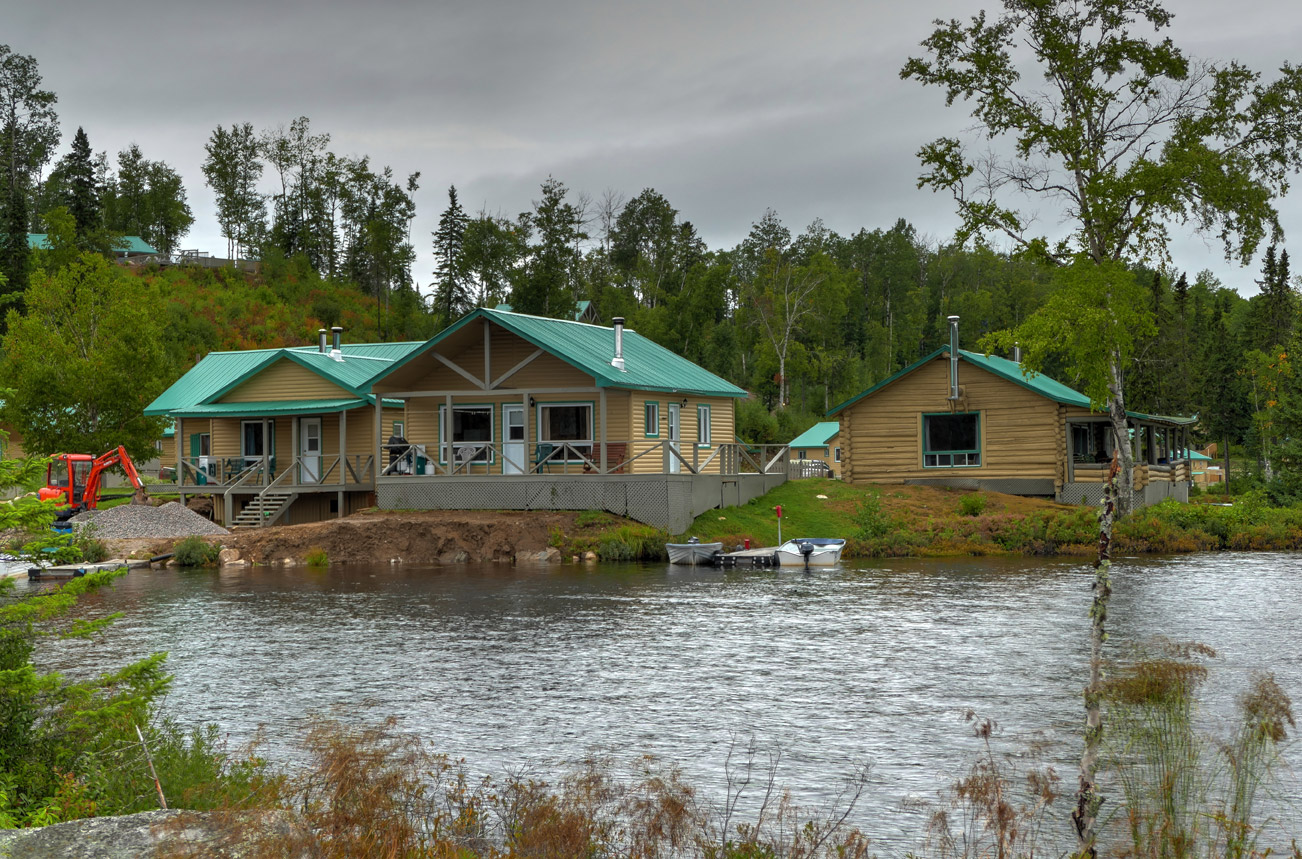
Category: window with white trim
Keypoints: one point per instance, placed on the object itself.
(702, 426)
(951, 440)
(567, 424)
(471, 433)
(836, 454)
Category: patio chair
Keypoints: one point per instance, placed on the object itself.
(542, 456)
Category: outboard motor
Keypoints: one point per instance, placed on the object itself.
(806, 549)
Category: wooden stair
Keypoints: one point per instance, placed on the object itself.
(263, 510)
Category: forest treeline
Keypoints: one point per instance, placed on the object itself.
(804, 320)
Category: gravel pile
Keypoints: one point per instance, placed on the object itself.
(130, 521)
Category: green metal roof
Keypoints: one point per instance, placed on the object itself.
(580, 308)
(220, 372)
(271, 408)
(127, 244)
(818, 435)
(1013, 372)
(648, 366)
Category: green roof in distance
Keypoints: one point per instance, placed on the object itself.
(818, 435)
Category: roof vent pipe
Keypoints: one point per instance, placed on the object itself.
(618, 361)
(321, 340)
(337, 352)
(1017, 353)
(953, 358)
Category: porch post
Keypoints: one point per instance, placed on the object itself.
(343, 453)
(266, 453)
(293, 444)
(179, 436)
(445, 436)
(1071, 453)
(603, 431)
(527, 465)
(379, 440)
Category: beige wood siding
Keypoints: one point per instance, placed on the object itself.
(545, 371)
(882, 433)
(286, 380)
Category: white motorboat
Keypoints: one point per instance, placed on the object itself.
(810, 552)
(693, 553)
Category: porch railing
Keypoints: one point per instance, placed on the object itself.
(582, 457)
(224, 474)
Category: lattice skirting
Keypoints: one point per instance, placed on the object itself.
(1092, 493)
(669, 502)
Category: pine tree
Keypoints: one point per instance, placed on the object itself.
(15, 254)
(452, 297)
(83, 197)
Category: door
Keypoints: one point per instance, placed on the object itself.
(674, 410)
(309, 455)
(513, 444)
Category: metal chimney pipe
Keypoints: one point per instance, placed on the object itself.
(321, 340)
(337, 351)
(1017, 352)
(953, 358)
(618, 361)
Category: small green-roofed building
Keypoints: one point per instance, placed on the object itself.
(283, 435)
(126, 247)
(537, 412)
(818, 444)
(1007, 430)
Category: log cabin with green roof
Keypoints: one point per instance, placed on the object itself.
(973, 421)
(282, 436)
(507, 411)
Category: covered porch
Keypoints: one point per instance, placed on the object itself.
(1159, 446)
(260, 462)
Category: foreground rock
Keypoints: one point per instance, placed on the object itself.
(128, 837)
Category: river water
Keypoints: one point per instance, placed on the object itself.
(874, 662)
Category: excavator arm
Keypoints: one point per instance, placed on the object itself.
(103, 463)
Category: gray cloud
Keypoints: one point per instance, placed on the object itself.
(727, 108)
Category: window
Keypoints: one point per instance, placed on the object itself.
(702, 426)
(651, 422)
(569, 424)
(471, 435)
(800, 454)
(951, 441)
(836, 454)
(251, 440)
(399, 429)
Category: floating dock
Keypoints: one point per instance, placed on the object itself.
(755, 558)
(76, 571)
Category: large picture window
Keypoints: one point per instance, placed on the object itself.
(951, 441)
(566, 423)
(471, 433)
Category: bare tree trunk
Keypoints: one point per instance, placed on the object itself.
(1124, 493)
(1085, 816)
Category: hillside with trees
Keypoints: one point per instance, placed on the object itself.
(802, 317)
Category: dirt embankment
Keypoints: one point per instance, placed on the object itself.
(415, 538)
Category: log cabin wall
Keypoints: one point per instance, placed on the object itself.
(1021, 433)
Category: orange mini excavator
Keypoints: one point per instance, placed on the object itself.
(73, 479)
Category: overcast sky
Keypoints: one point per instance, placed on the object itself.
(726, 108)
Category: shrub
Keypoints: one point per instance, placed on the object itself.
(873, 523)
(972, 505)
(317, 557)
(195, 552)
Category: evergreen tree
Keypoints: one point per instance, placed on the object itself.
(549, 284)
(15, 253)
(1276, 304)
(452, 296)
(83, 197)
